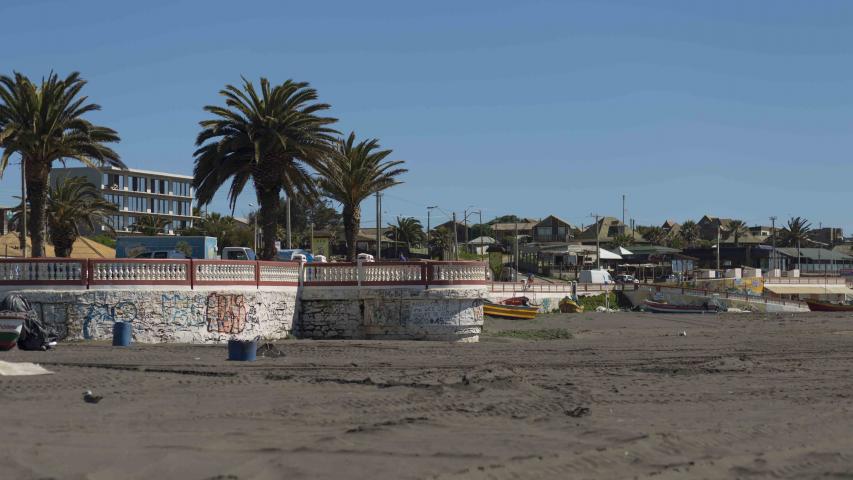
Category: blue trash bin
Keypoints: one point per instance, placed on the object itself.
(122, 334)
(242, 350)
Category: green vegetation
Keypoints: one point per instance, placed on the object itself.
(592, 302)
(44, 123)
(71, 203)
(150, 224)
(353, 172)
(105, 239)
(541, 334)
(408, 230)
(270, 138)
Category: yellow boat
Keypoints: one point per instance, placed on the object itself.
(518, 312)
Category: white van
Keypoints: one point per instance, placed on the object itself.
(600, 276)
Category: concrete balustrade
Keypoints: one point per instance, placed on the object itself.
(56, 271)
(209, 301)
(94, 272)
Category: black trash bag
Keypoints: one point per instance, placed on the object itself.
(33, 334)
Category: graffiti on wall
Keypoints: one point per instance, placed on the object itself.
(226, 313)
(99, 317)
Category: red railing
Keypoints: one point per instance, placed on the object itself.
(118, 272)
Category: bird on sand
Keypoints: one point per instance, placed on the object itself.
(89, 397)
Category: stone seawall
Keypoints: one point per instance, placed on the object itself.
(215, 315)
(446, 314)
(172, 316)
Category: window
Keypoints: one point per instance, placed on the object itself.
(135, 183)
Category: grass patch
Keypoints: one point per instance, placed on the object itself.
(541, 334)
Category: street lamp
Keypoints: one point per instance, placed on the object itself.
(255, 236)
(467, 213)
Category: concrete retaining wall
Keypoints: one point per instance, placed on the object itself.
(454, 314)
(184, 316)
(216, 315)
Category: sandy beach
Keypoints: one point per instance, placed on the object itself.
(627, 396)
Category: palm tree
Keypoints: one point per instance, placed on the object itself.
(44, 123)
(796, 232)
(689, 231)
(737, 229)
(70, 204)
(150, 224)
(215, 225)
(621, 241)
(656, 235)
(353, 172)
(270, 138)
(408, 230)
(441, 240)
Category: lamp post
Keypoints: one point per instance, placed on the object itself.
(467, 213)
(255, 236)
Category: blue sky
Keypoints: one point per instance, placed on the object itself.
(732, 108)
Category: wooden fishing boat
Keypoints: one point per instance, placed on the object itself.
(10, 330)
(660, 307)
(516, 311)
(816, 306)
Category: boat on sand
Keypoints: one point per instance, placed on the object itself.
(516, 308)
(817, 306)
(662, 307)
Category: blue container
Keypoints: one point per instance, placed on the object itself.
(242, 350)
(122, 333)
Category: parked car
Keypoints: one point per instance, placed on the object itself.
(365, 257)
(238, 253)
(320, 259)
(670, 278)
(625, 279)
(290, 255)
(163, 254)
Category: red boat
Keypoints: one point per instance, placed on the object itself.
(516, 301)
(660, 307)
(828, 307)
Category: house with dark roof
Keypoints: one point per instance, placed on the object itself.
(552, 229)
(607, 229)
(709, 226)
(505, 232)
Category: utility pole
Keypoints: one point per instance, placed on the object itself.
(516, 250)
(23, 208)
(312, 238)
(287, 204)
(465, 213)
(378, 226)
(773, 234)
(623, 214)
(429, 210)
(718, 247)
(597, 242)
(455, 239)
(480, 212)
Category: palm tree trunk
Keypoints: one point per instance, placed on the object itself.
(37, 197)
(62, 246)
(268, 201)
(352, 222)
